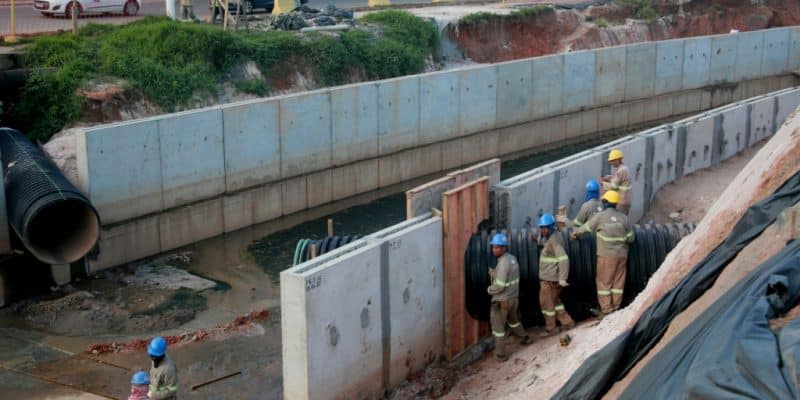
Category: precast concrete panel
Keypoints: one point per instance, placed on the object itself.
(319, 188)
(749, 51)
(762, 117)
(634, 148)
(188, 224)
(354, 179)
(696, 62)
(610, 75)
(669, 66)
(415, 307)
(478, 99)
(438, 106)
(332, 346)
(529, 198)
(126, 242)
(699, 143)
(294, 195)
(305, 133)
(252, 144)
(192, 156)
(354, 123)
(723, 59)
(787, 103)
(548, 77)
(398, 114)
(514, 92)
(775, 58)
(662, 150)
(733, 134)
(794, 49)
(572, 178)
(579, 80)
(640, 71)
(119, 168)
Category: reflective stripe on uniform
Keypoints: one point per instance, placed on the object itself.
(560, 307)
(604, 293)
(553, 259)
(498, 334)
(503, 283)
(615, 238)
(621, 188)
(616, 291)
(514, 325)
(577, 223)
(549, 313)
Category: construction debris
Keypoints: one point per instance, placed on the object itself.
(305, 16)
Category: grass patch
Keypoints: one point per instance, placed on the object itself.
(531, 11)
(478, 17)
(176, 64)
(601, 23)
(643, 9)
(521, 13)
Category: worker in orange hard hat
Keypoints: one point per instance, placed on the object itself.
(619, 180)
(613, 234)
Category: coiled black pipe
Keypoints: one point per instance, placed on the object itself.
(54, 221)
(303, 249)
(645, 255)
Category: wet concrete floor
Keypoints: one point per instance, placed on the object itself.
(36, 363)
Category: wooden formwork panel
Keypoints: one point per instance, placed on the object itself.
(463, 209)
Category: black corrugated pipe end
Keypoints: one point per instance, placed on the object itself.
(54, 221)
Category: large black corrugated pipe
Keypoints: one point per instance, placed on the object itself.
(54, 221)
(645, 255)
(302, 251)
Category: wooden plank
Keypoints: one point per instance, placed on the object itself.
(464, 208)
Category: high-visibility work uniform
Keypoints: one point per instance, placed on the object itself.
(613, 235)
(621, 182)
(164, 380)
(505, 303)
(588, 209)
(553, 268)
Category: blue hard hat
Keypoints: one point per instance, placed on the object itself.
(140, 378)
(592, 186)
(546, 220)
(499, 239)
(157, 347)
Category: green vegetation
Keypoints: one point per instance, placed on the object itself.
(644, 9)
(601, 23)
(176, 64)
(524, 12)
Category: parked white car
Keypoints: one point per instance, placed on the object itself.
(50, 8)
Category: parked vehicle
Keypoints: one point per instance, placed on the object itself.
(50, 8)
(248, 6)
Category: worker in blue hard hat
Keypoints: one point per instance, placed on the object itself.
(553, 274)
(163, 374)
(505, 297)
(592, 204)
(140, 383)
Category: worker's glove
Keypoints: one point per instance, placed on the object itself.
(575, 235)
(563, 283)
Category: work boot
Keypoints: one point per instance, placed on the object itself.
(500, 348)
(526, 340)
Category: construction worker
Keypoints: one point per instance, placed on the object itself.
(139, 386)
(619, 181)
(505, 291)
(187, 10)
(613, 236)
(591, 205)
(553, 274)
(163, 374)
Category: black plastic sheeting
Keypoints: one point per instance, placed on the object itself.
(610, 364)
(730, 351)
(303, 248)
(652, 244)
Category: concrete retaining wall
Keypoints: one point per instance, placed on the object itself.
(322, 146)
(385, 322)
(655, 157)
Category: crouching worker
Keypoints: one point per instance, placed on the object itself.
(553, 274)
(505, 292)
(140, 383)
